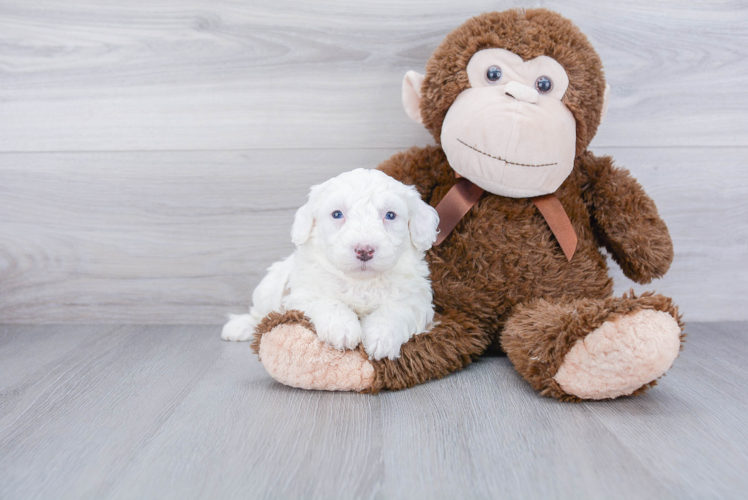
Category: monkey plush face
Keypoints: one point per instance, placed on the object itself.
(509, 132)
(498, 97)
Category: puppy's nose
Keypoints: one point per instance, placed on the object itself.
(364, 252)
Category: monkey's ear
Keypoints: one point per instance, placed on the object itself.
(412, 95)
(606, 96)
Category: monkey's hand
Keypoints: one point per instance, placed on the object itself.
(625, 220)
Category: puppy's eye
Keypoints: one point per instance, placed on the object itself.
(544, 84)
(337, 214)
(390, 215)
(493, 74)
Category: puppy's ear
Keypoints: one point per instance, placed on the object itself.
(423, 221)
(302, 224)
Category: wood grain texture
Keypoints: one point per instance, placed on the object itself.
(152, 155)
(702, 194)
(204, 74)
(471, 425)
(108, 394)
(699, 417)
(184, 237)
(173, 412)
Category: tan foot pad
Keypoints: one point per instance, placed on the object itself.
(294, 356)
(621, 356)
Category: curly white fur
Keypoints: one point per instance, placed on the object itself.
(361, 277)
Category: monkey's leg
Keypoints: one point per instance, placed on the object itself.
(292, 354)
(452, 343)
(594, 349)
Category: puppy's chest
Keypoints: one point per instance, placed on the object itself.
(363, 297)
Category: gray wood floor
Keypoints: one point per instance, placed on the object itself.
(173, 412)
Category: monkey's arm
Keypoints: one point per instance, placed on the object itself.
(424, 168)
(625, 219)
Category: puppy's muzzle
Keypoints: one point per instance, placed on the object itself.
(364, 253)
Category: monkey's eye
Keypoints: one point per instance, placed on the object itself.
(544, 84)
(390, 215)
(337, 214)
(493, 74)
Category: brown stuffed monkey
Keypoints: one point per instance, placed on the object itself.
(513, 99)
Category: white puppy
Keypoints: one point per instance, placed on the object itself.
(359, 271)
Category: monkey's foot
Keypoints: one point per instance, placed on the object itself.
(621, 356)
(593, 348)
(293, 355)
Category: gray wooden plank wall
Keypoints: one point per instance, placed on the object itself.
(152, 153)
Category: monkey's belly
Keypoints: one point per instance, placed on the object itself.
(506, 257)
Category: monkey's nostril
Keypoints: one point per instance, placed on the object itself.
(364, 253)
(521, 92)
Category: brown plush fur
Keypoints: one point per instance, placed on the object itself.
(502, 255)
(452, 345)
(540, 333)
(502, 258)
(274, 319)
(500, 278)
(529, 34)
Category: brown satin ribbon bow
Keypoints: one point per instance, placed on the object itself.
(464, 195)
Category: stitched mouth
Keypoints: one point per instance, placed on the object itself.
(502, 159)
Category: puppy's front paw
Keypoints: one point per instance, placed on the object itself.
(240, 327)
(342, 331)
(383, 337)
